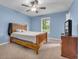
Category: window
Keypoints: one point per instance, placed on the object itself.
(45, 24)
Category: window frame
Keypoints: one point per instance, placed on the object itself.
(47, 18)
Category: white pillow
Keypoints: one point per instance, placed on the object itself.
(20, 30)
(23, 30)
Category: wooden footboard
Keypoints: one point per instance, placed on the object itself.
(40, 39)
(35, 46)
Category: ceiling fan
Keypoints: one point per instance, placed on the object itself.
(34, 6)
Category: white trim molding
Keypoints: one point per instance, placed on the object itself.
(4, 43)
(54, 38)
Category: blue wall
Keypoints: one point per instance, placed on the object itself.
(57, 21)
(57, 24)
(7, 15)
(74, 16)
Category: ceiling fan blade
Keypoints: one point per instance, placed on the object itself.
(28, 10)
(25, 5)
(32, 3)
(36, 11)
(36, 1)
(42, 7)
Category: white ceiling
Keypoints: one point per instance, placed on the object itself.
(52, 6)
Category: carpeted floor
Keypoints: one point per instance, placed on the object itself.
(51, 50)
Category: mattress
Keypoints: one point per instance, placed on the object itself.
(27, 36)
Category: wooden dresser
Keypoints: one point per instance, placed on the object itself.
(69, 47)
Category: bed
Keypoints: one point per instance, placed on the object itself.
(29, 39)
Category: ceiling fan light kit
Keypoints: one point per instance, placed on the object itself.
(34, 6)
(33, 9)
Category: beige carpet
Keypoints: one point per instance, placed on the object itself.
(51, 50)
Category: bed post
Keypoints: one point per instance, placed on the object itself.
(10, 39)
(46, 37)
(38, 44)
(37, 50)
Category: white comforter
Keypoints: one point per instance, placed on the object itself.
(28, 36)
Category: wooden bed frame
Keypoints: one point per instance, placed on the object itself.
(35, 46)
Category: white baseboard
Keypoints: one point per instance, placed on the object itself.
(54, 38)
(4, 43)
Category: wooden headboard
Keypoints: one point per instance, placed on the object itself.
(18, 26)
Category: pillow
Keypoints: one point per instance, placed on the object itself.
(20, 30)
(23, 31)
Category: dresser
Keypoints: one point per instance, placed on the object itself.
(69, 47)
